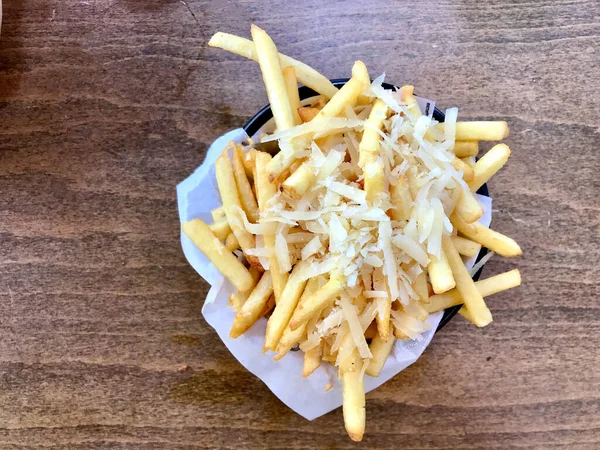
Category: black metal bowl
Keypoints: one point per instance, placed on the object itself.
(265, 114)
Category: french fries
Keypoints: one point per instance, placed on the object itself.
(466, 286)
(487, 287)
(291, 87)
(496, 242)
(349, 232)
(463, 149)
(488, 165)
(268, 59)
(252, 307)
(480, 131)
(223, 259)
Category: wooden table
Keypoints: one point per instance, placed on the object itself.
(106, 105)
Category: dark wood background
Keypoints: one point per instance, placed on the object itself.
(106, 105)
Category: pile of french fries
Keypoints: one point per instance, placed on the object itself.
(355, 230)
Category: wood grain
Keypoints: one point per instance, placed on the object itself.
(106, 105)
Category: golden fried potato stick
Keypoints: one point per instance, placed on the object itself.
(468, 207)
(488, 165)
(368, 149)
(265, 191)
(231, 202)
(286, 305)
(312, 360)
(380, 349)
(408, 97)
(252, 308)
(440, 273)
(466, 286)
(292, 337)
(231, 242)
(353, 396)
(225, 261)
(487, 287)
(268, 60)
(496, 242)
(248, 201)
(347, 95)
(479, 131)
(291, 86)
(317, 301)
(237, 299)
(468, 161)
(466, 247)
(299, 182)
(305, 74)
(463, 149)
(220, 229)
(468, 172)
(249, 163)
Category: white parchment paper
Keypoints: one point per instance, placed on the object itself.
(197, 196)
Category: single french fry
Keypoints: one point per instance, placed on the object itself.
(249, 163)
(237, 299)
(225, 261)
(487, 287)
(380, 349)
(463, 149)
(312, 360)
(220, 229)
(347, 95)
(466, 247)
(218, 214)
(231, 242)
(268, 60)
(307, 113)
(408, 97)
(232, 203)
(265, 191)
(368, 149)
(299, 182)
(468, 207)
(252, 307)
(291, 86)
(466, 286)
(401, 199)
(496, 242)
(305, 74)
(317, 301)
(420, 287)
(458, 222)
(292, 337)
(440, 273)
(353, 397)
(285, 306)
(488, 165)
(383, 318)
(468, 172)
(374, 180)
(247, 199)
(479, 131)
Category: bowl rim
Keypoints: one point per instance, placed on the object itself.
(265, 114)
